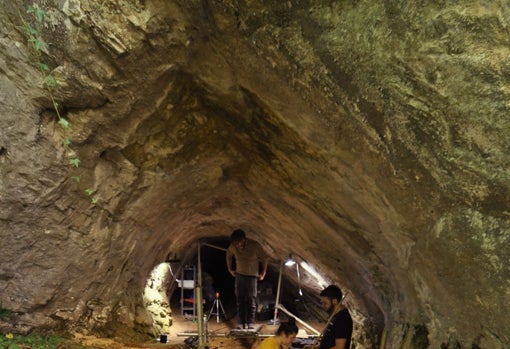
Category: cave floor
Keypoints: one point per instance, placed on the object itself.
(184, 328)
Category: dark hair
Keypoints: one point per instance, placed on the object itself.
(288, 327)
(332, 292)
(237, 235)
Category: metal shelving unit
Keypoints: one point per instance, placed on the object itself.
(187, 285)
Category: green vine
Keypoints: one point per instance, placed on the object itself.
(31, 28)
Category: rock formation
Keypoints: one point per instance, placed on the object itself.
(368, 138)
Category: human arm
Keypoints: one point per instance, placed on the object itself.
(339, 343)
(262, 274)
(230, 255)
(262, 258)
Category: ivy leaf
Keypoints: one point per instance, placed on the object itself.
(51, 82)
(43, 67)
(38, 13)
(65, 124)
(33, 32)
(74, 162)
(40, 45)
(89, 191)
(66, 142)
(76, 178)
(93, 201)
(29, 31)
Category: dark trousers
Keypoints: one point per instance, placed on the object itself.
(246, 295)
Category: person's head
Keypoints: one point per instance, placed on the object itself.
(330, 297)
(238, 238)
(287, 331)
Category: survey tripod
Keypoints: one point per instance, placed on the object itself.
(217, 308)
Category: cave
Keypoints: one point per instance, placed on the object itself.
(366, 139)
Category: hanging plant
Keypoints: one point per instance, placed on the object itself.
(31, 27)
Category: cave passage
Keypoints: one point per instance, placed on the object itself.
(173, 279)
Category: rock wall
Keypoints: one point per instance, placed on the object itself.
(369, 139)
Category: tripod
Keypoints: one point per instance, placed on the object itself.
(216, 307)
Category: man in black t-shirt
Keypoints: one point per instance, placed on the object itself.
(338, 332)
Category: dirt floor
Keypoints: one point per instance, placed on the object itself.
(219, 336)
(185, 329)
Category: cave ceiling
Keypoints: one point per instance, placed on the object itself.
(367, 138)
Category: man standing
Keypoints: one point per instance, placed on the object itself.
(247, 253)
(338, 331)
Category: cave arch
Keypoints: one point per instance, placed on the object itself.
(303, 304)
